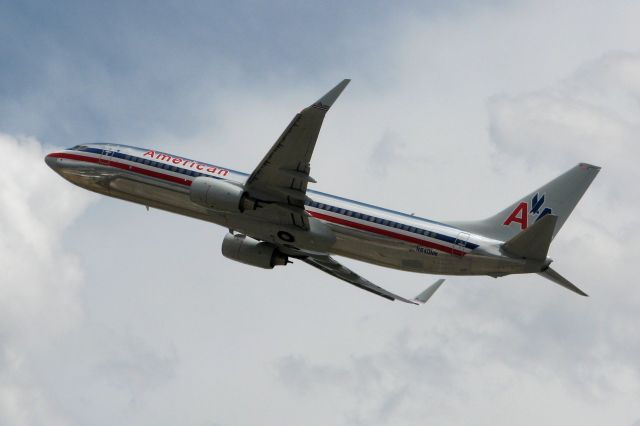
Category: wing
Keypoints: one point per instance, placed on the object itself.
(331, 266)
(283, 174)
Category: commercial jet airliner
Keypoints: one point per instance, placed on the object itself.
(272, 217)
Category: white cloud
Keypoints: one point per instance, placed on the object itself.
(40, 280)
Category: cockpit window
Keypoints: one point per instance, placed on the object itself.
(78, 148)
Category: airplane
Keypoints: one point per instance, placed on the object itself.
(272, 217)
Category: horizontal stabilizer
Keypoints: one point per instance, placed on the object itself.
(533, 243)
(426, 295)
(552, 275)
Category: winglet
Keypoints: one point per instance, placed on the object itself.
(426, 295)
(325, 102)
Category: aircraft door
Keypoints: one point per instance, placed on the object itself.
(461, 243)
(107, 154)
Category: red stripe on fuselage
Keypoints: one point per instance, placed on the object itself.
(187, 182)
(112, 163)
(386, 233)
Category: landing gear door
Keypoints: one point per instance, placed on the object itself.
(460, 244)
(107, 154)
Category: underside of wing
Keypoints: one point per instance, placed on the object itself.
(283, 174)
(331, 266)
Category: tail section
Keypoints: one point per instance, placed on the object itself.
(558, 197)
(533, 243)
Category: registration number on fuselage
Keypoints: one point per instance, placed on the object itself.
(426, 250)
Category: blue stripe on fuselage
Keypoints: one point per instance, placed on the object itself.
(321, 206)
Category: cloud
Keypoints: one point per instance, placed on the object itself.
(41, 280)
(463, 110)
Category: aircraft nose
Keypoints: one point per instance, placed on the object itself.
(51, 161)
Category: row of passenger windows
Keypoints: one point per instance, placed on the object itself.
(322, 206)
(164, 166)
(373, 219)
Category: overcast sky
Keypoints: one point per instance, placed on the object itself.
(110, 314)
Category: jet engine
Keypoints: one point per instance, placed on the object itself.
(220, 195)
(252, 252)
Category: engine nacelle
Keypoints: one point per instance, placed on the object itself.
(252, 252)
(219, 195)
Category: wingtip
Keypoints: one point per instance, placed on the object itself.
(588, 166)
(423, 297)
(330, 97)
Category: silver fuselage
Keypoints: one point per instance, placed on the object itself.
(362, 231)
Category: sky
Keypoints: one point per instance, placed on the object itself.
(111, 314)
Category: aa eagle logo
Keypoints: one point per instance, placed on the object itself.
(522, 214)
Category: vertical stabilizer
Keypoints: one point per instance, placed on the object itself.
(558, 197)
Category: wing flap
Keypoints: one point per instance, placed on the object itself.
(332, 267)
